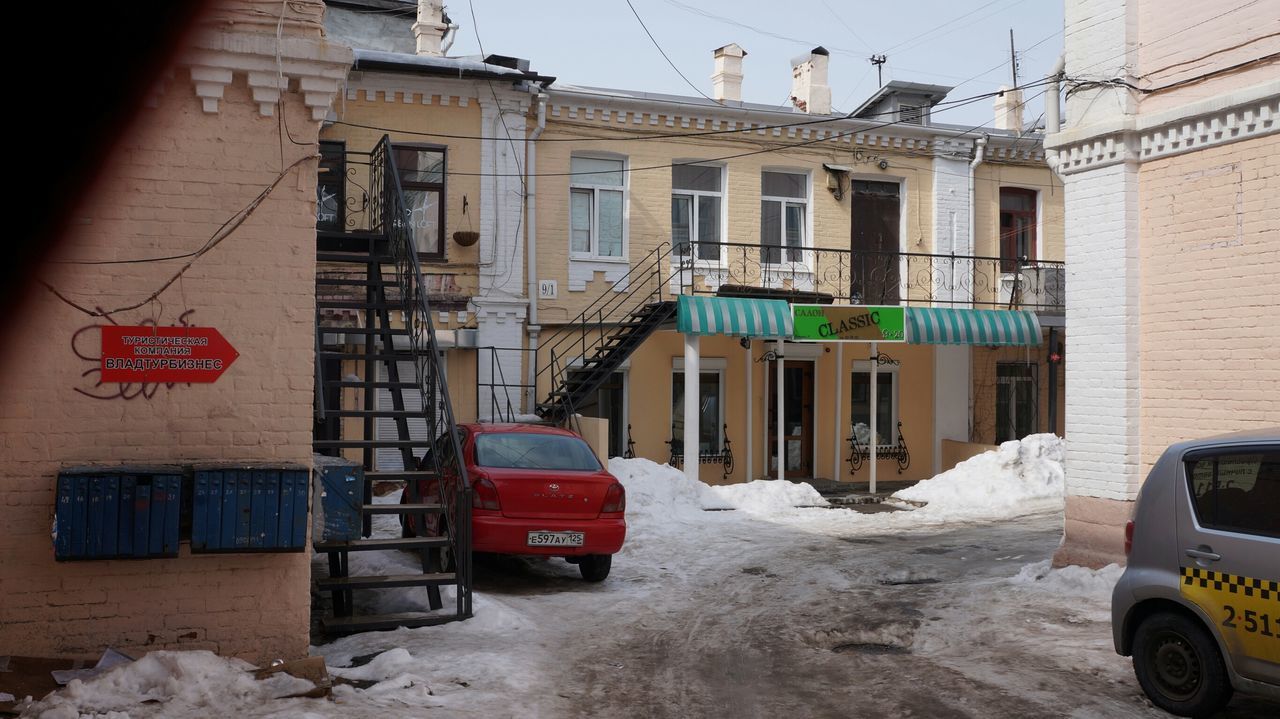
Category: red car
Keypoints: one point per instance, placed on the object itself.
(537, 491)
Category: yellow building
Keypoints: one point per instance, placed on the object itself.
(592, 210)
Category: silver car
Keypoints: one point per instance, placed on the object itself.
(1198, 606)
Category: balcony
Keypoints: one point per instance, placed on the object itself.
(804, 274)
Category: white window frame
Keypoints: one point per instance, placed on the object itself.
(706, 365)
(723, 193)
(805, 265)
(584, 183)
(864, 367)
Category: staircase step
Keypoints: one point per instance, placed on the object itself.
(359, 305)
(355, 282)
(368, 545)
(360, 384)
(365, 330)
(402, 476)
(387, 581)
(369, 443)
(380, 622)
(402, 508)
(388, 413)
(378, 356)
(363, 258)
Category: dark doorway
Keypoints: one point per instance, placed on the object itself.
(1016, 400)
(609, 403)
(876, 212)
(797, 419)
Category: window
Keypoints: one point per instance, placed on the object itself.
(534, 451)
(696, 194)
(1016, 398)
(783, 201)
(1237, 491)
(331, 186)
(422, 171)
(886, 404)
(710, 410)
(1017, 227)
(596, 202)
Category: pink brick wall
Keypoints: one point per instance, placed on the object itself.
(1210, 259)
(169, 186)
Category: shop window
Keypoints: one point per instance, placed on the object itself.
(1237, 492)
(710, 409)
(1016, 397)
(422, 179)
(597, 202)
(1017, 227)
(886, 404)
(783, 210)
(696, 195)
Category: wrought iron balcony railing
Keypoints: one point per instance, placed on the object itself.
(871, 278)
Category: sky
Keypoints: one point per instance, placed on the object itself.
(600, 43)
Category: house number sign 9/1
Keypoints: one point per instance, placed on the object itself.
(548, 289)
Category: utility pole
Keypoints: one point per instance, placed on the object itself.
(1013, 60)
(878, 61)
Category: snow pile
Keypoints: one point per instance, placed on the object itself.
(764, 497)
(191, 683)
(1020, 476)
(658, 493)
(1070, 581)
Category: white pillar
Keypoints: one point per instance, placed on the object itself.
(777, 415)
(835, 419)
(875, 355)
(750, 433)
(692, 378)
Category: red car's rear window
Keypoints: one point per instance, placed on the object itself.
(514, 450)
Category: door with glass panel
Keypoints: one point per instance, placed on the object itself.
(696, 195)
(422, 173)
(797, 419)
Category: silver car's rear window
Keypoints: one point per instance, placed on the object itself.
(515, 450)
(1236, 491)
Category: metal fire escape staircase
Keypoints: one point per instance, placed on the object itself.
(586, 351)
(385, 283)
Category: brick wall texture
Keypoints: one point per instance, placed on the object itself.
(169, 185)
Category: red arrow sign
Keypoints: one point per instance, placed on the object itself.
(164, 354)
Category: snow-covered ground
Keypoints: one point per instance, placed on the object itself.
(782, 605)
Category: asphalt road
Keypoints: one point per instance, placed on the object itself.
(914, 624)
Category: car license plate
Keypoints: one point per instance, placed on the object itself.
(556, 539)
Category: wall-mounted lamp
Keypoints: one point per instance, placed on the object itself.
(837, 179)
(745, 342)
(883, 164)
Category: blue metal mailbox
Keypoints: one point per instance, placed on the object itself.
(117, 513)
(339, 495)
(237, 508)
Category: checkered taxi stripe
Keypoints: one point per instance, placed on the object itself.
(1234, 584)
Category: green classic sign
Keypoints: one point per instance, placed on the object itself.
(835, 323)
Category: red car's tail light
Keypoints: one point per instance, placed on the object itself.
(484, 495)
(1128, 537)
(615, 499)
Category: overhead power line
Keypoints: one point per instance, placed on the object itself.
(666, 57)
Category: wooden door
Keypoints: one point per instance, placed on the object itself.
(876, 212)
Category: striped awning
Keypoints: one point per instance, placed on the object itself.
(733, 316)
(936, 326)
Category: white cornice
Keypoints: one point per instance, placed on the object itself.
(1252, 112)
(319, 68)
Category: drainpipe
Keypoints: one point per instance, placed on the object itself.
(531, 250)
(1052, 118)
(450, 34)
(979, 153)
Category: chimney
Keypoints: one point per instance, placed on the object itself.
(430, 27)
(726, 82)
(1009, 109)
(809, 89)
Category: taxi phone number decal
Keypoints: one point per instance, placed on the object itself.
(1248, 609)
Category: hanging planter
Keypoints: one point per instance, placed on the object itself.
(466, 238)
